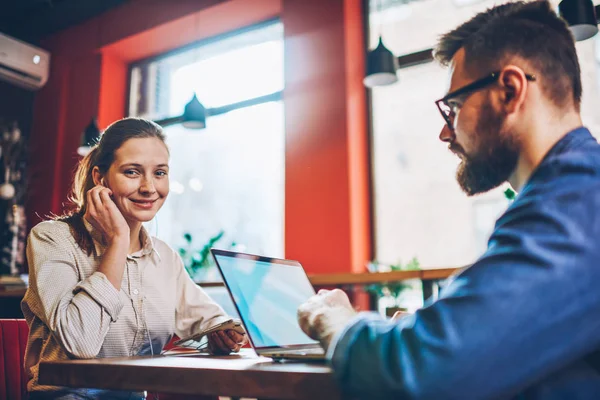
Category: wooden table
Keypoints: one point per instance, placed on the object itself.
(240, 375)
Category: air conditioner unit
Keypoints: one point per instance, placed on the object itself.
(22, 64)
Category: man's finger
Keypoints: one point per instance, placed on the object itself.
(303, 320)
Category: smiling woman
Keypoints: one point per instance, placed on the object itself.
(100, 286)
(138, 178)
(236, 182)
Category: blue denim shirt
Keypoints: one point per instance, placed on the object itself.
(522, 322)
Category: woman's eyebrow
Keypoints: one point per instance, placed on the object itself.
(141, 166)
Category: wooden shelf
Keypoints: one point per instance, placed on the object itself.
(438, 273)
(13, 293)
(362, 278)
(367, 278)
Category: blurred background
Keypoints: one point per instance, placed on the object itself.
(290, 155)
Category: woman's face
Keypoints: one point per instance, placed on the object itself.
(139, 178)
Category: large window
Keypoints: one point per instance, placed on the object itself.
(420, 210)
(228, 177)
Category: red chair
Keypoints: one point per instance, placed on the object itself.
(13, 340)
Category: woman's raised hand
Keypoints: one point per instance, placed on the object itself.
(103, 214)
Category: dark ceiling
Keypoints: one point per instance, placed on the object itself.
(32, 20)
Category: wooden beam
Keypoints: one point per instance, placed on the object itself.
(417, 58)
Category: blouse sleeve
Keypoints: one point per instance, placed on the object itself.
(196, 311)
(77, 311)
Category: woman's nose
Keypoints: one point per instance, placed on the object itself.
(148, 186)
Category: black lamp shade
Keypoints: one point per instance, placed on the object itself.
(194, 114)
(89, 138)
(581, 17)
(381, 67)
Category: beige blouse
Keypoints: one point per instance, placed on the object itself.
(73, 311)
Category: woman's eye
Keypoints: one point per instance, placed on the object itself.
(131, 172)
(161, 173)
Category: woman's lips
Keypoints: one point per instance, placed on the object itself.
(145, 204)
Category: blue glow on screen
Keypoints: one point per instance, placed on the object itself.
(267, 296)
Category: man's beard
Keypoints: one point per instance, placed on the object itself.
(496, 157)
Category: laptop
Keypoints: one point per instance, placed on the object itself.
(266, 293)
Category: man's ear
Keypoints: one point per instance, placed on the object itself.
(98, 177)
(513, 82)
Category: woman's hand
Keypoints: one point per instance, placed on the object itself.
(224, 342)
(103, 214)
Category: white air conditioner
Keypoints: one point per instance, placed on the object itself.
(22, 64)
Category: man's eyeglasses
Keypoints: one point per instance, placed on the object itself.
(449, 106)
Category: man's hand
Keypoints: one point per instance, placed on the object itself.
(225, 342)
(325, 314)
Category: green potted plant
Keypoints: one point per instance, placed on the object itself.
(198, 262)
(388, 293)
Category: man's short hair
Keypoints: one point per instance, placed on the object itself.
(531, 31)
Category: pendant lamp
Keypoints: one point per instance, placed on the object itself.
(381, 67)
(581, 17)
(89, 138)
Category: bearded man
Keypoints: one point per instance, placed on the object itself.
(523, 321)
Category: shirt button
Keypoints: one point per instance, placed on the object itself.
(135, 291)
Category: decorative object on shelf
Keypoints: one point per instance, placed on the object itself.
(388, 294)
(12, 193)
(198, 263)
(11, 146)
(17, 229)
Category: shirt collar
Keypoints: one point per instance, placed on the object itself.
(571, 140)
(577, 138)
(100, 244)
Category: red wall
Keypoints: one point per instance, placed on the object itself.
(327, 224)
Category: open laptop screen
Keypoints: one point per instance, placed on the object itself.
(267, 293)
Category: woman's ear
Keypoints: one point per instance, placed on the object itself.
(98, 177)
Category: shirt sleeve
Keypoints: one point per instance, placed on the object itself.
(527, 308)
(77, 312)
(196, 311)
